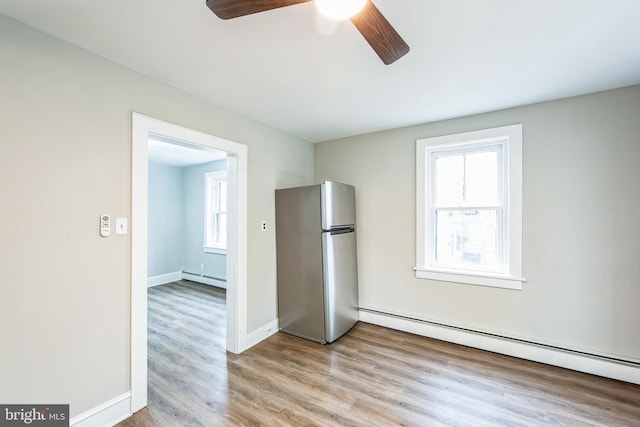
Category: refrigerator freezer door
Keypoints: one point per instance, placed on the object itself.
(340, 283)
(338, 205)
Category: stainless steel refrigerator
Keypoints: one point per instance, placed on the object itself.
(316, 260)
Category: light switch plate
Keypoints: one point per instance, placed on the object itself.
(121, 226)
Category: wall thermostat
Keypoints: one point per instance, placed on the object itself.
(105, 225)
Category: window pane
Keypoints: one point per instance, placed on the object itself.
(222, 196)
(481, 179)
(210, 237)
(221, 225)
(215, 215)
(467, 239)
(449, 183)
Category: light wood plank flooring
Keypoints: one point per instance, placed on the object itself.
(370, 377)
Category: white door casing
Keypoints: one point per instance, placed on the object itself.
(237, 154)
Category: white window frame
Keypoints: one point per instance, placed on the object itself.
(510, 192)
(216, 176)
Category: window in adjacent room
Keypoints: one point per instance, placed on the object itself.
(215, 222)
(469, 199)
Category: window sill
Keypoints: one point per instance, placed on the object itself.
(471, 278)
(211, 250)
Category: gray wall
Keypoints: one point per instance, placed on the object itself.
(66, 158)
(581, 199)
(166, 239)
(193, 226)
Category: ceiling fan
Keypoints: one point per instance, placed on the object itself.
(375, 28)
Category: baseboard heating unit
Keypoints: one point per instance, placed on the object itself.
(203, 278)
(597, 364)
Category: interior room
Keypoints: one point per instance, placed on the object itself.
(182, 190)
(546, 335)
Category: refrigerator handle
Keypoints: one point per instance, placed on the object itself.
(342, 230)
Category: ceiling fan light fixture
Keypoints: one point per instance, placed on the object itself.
(340, 9)
(364, 15)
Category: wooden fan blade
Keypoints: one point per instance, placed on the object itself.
(379, 33)
(227, 9)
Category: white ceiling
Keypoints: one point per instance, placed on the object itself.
(280, 68)
(168, 152)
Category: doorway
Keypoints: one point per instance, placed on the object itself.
(187, 194)
(236, 263)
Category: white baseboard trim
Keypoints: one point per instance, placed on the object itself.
(108, 413)
(618, 370)
(204, 280)
(164, 279)
(262, 333)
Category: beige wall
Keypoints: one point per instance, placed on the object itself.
(581, 200)
(66, 158)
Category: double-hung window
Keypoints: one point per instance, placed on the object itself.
(469, 199)
(215, 216)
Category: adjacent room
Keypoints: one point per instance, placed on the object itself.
(187, 194)
(186, 269)
(492, 149)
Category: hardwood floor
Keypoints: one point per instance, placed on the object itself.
(370, 377)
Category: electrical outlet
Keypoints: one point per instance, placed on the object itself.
(263, 225)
